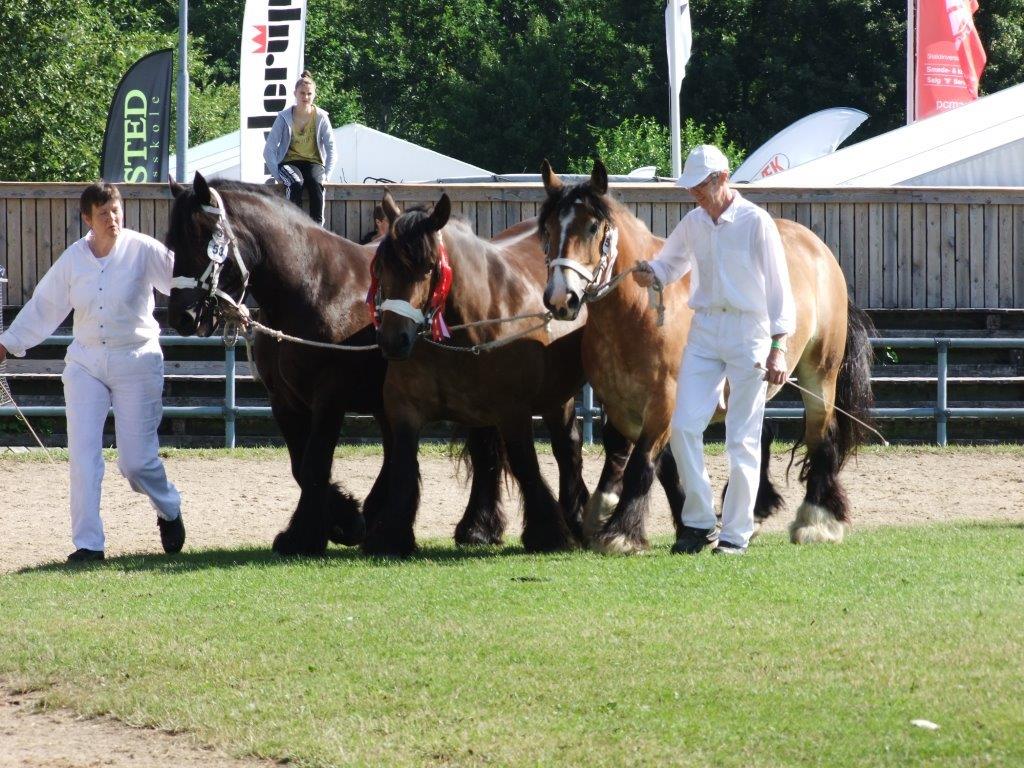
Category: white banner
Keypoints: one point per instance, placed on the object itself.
(807, 139)
(678, 40)
(273, 43)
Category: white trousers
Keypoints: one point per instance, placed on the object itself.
(131, 381)
(722, 346)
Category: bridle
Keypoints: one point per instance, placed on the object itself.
(221, 247)
(432, 320)
(599, 281)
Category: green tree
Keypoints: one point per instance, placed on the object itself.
(641, 141)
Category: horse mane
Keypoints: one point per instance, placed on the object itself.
(599, 206)
(413, 260)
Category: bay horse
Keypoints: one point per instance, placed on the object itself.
(309, 283)
(632, 363)
(432, 269)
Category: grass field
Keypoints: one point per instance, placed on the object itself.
(789, 656)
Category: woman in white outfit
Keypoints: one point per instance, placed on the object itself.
(107, 278)
(743, 310)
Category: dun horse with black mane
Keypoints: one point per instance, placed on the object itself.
(230, 239)
(632, 362)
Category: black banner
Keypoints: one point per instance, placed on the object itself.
(138, 136)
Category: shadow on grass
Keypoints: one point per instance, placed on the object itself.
(224, 559)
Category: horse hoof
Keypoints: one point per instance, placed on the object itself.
(618, 544)
(477, 538)
(816, 525)
(392, 547)
(552, 542)
(599, 508)
(290, 544)
(351, 534)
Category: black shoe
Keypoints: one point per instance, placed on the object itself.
(728, 548)
(172, 534)
(85, 556)
(694, 540)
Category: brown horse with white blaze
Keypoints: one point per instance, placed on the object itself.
(632, 363)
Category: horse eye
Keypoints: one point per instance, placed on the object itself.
(593, 228)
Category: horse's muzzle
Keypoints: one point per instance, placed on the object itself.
(567, 308)
(398, 345)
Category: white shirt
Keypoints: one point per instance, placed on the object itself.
(737, 264)
(112, 297)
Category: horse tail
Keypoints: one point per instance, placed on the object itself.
(853, 387)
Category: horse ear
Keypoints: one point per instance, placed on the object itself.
(177, 190)
(599, 178)
(391, 209)
(440, 215)
(202, 189)
(552, 184)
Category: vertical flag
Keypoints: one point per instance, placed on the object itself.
(949, 56)
(137, 139)
(678, 39)
(273, 44)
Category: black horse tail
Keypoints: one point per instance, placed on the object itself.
(853, 387)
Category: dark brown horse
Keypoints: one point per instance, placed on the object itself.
(538, 371)
(310, 284)
(632, 362)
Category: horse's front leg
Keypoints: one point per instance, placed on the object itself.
(324, 510)
(392, 533)
(484, 519)
(567, 447)
(606, 495)
(544, 527)
(374, 501)
(625, 532)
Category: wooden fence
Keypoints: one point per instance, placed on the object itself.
(899, 247)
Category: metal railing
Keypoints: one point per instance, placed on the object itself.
(230, 412)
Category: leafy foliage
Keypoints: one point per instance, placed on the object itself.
(643, 141)
(498, 83)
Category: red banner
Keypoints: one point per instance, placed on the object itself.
(950, 57)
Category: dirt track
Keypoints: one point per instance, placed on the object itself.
(230, 502)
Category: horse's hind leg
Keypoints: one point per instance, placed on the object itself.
(605, 498)
(824, 513)
(567, 447)
(768, 500)
(544, 526)
(625, 533)
(484, 519)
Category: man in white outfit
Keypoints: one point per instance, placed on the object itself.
(107, 278)
(743, 311)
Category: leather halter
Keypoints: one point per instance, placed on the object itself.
(600, 277)
(221, 247)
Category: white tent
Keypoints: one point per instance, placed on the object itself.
(363, 154)
(980, 144)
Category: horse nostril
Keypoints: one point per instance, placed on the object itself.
(573, 303)
(547, 297)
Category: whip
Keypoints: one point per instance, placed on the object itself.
(792, 383)
(6, 397)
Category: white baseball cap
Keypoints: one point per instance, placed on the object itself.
(703, 160)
